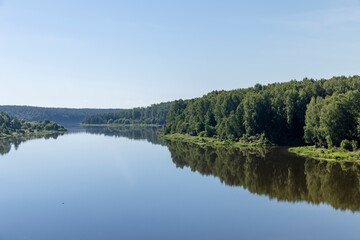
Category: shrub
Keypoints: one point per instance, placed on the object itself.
(354, 145)
(202, 134)
(346, 144)
(329, 142)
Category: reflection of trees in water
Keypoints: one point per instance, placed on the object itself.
(6, 144)
(132, 132)
(275, 173)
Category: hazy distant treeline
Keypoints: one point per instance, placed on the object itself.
(60, 115)
(154, 114)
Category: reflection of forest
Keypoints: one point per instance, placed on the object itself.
(132, 132)
(6, 144)
(275, 173)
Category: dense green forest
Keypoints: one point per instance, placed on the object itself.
(274, 173)
(322, 112)
(331, 120)
(154, 114)
(60, 115)
(13, 127)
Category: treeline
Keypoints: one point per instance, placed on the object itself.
(12, 126)
(334, 121)
(328, 109)
(60, 115)
(154, 114)
(272, 173)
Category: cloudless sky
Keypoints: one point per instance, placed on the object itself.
(123, 54)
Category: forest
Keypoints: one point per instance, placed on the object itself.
(319, 112)
(155, 114)
(13, 127)
(60, 115)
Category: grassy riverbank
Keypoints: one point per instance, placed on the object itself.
(214, 141)
(335, 154)
(339, 154)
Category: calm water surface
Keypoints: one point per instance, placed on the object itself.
(106, 183)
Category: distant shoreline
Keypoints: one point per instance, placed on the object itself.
(42, 133)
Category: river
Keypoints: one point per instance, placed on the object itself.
(126, 183)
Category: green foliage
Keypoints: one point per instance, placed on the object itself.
(155, 114)
(335, 153)
(312, 121)
(354, 145)
(12, 127)
(62, 115)
(276, 110)
(333, 119)
(257, 140)
(346, 145)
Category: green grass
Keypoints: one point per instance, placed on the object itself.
(338, 154)
(211, 141)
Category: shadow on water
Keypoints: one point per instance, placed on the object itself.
(272, 172)
(149, 134)
(275, 173)
(7, 144)
(133, 132)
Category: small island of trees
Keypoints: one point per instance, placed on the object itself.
(14, 127)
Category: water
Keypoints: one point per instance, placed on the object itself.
(105, 183)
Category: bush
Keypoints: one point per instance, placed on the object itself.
(329, 142)
(202, 134)
(346, 144)
(210, 131)
(354, 145)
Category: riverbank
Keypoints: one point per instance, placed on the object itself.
(334, 154)
(27, 133)
(213, 142)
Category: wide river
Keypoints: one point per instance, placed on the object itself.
(125, 183)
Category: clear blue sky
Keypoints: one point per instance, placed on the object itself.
(109, 53)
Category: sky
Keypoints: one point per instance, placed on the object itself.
(123, 54)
